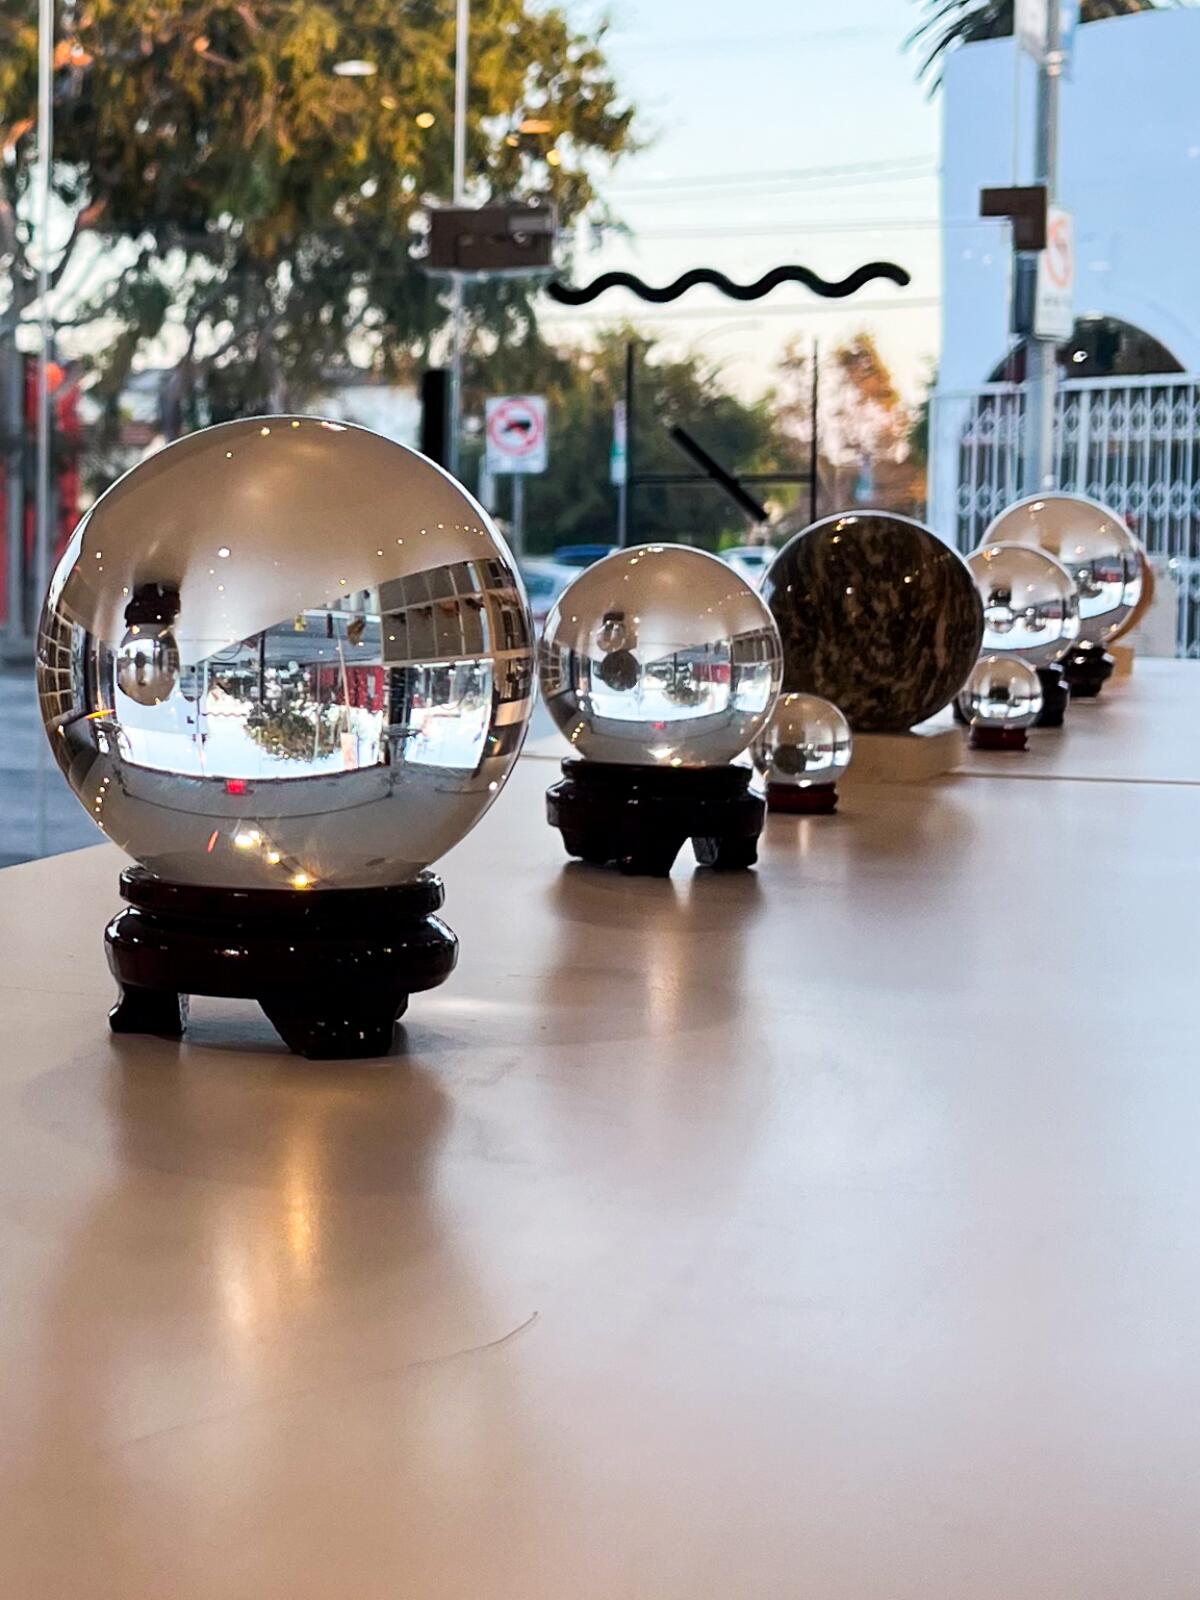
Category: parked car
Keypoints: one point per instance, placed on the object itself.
(581, 555)
(750, 561)
(544, 582)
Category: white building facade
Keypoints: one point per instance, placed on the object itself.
(1128, 416)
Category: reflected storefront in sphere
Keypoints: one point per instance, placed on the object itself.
(286, 652)
(660, 655)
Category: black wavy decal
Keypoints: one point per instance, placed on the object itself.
(851, 284)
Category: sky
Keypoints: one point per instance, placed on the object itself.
(747, 109)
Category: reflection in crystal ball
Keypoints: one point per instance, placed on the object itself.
(286, 653)
(806, 741)
(147, 665)
(1092, 543)
(659, 655)
(1002, 692)
(1030, 602)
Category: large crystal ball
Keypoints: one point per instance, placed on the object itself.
(659, 655)
(1001, 692)
(805, 742)
(286, 653)
(878, 615)
(1092, 543)
(1030, 602)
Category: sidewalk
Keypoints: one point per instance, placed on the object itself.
(39, 816)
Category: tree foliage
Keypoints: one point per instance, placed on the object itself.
(949, 23)
(250, 211)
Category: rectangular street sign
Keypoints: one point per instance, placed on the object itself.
(1054, 302)
(619, 455)
(515, 432)
(1029, 24)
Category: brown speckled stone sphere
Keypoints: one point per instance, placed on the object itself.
(878, 615)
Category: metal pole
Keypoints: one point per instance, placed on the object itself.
(42, 523)
(1041, 374)
(45, 143)
(815, 456)
(518, 514)
(12, 365)
(457, 318)
(623, 482)
(626, 532)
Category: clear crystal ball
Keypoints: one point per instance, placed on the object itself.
(1030, 602)
(1001, 692)
(286, 653)
(1092, 543)
(806, 741)
(660, 655)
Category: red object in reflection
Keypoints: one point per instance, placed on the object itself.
(356, 686)
(236, 786)
(67, 435)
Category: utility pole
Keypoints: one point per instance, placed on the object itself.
(45, 156)
(1041, 362)
(625, 529)
(41, 515)
(814, 487)
(518, 514)
(457, 319)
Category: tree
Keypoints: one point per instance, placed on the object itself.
(949, 23)
(250, 213)
(574, 500)
(865, 426)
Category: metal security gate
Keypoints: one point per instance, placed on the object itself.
(1132, 443)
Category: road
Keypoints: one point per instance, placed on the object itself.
(39, 816)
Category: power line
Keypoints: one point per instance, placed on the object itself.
(708, 180)
(768, 230)
(735, 194)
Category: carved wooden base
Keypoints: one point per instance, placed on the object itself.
(809, 800)
(986, 738)
(1056, 696)
(1088, 668)
(638, 818)
(332, 969)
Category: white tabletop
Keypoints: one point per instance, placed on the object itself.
(1144, 728)
(829, 1231)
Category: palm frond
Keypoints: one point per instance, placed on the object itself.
(946, 24)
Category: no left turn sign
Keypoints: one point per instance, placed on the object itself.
(516, 434)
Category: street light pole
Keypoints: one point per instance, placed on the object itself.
(461, 77)
(45, 148)
(1041, 374)
(41, 514)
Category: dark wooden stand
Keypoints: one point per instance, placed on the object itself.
(1088, 668)
(331, 968)
(1056, 696)
(808, 800)
(984, 737)
(639, 817)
